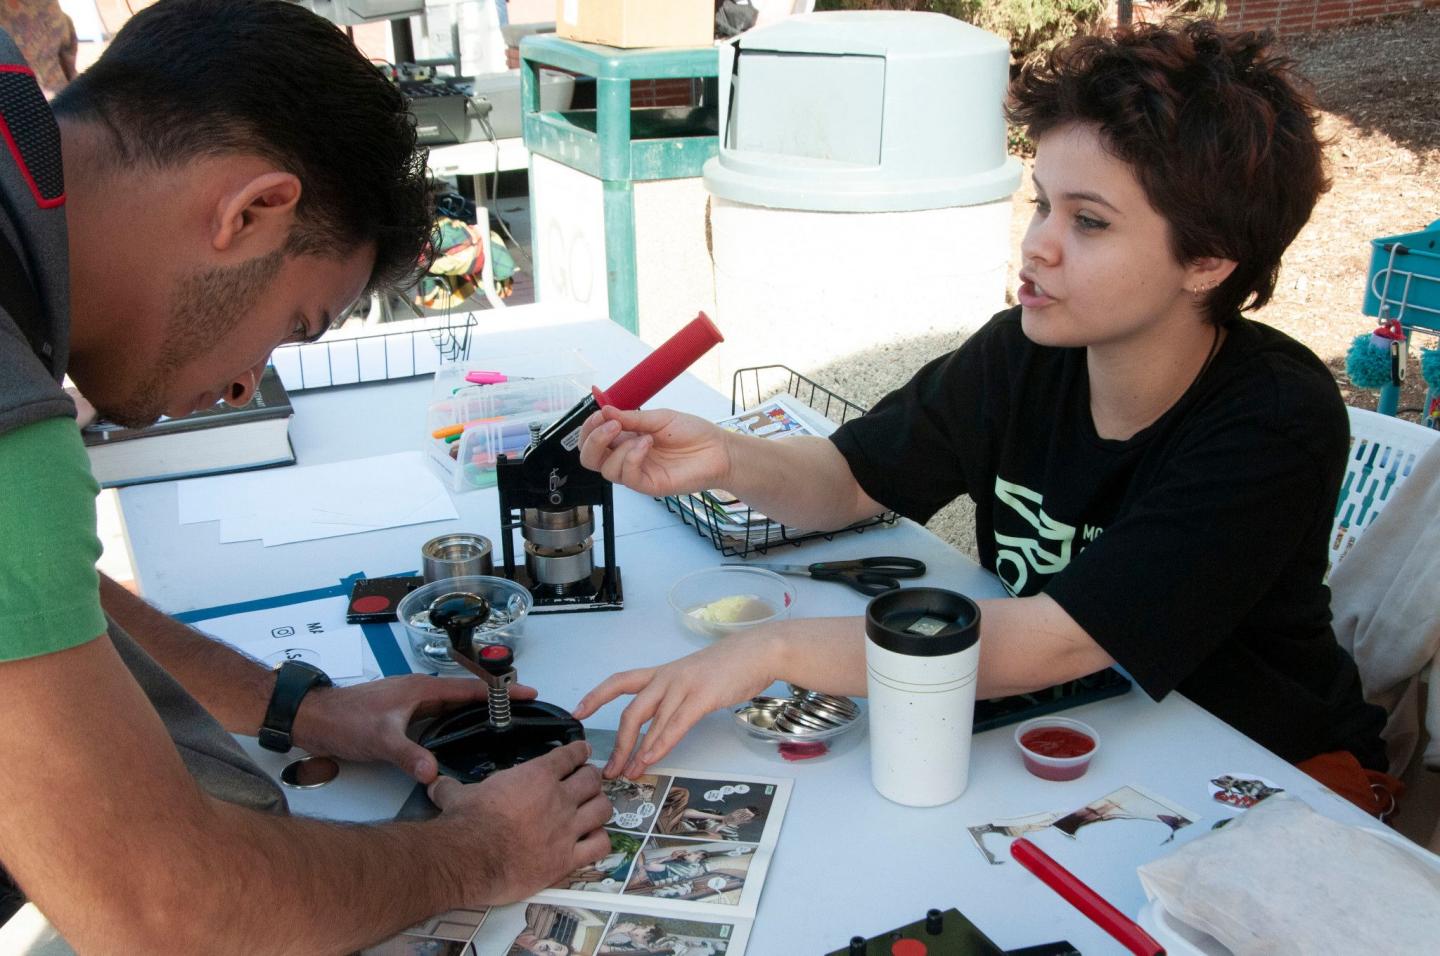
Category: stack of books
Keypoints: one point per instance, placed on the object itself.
(210, 442)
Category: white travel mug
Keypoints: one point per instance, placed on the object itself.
(922, 651)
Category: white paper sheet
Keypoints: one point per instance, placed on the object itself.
(313, 631)
(286, 505)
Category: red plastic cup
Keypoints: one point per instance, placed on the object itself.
(1057, 748)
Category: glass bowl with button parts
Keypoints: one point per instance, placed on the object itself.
(507, 605)
(718, 602)
(806, 725)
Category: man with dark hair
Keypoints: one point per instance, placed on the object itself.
(231, 174)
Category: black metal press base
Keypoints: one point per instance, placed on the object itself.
(469, 749)
(590, 595)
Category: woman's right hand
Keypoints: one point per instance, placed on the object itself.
(674, 696)
(658, 452)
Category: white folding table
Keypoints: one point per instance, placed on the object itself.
(849, 862)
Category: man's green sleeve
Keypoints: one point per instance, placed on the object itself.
(49, 588)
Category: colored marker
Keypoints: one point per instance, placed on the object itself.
(449, 430)
(491, 378)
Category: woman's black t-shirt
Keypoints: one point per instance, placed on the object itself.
(1193, 552)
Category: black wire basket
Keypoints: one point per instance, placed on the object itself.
(745, 533)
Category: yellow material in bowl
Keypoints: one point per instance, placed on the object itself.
(719, 601)
(735, 609)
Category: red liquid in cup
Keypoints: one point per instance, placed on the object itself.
(1058, 743)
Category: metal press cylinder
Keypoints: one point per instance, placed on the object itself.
(456, 556)
(560, 566)
(558, 528)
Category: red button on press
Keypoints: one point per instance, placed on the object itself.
(495, 652)
(908, 947)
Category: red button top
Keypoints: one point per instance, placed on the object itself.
(495, 652)
(908, 947)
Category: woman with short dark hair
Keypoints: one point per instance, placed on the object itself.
(1154, 474)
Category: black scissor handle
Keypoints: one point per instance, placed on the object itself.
(870, 582)
(893, 566)
(896, 567)
(849, 572)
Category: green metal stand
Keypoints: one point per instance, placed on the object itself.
(615, 143)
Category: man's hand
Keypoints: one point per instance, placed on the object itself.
(369, 721)
(527, 827)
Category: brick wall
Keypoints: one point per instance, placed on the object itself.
(646, 93)
(1287, 17)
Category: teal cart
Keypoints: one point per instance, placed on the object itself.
(1404, 286)
(585, 163)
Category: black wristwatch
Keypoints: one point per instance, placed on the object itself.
(293, 680)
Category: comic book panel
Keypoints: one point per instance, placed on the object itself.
(448, 934)
(635, 801)
(609, 873)
(559, 931)
(420, 946)
(715, 810)
(1127, 803)
(639, 935)
(680, 869)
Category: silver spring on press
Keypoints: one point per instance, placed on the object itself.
(500, 706)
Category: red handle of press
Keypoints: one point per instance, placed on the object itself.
(1084, 899)
(662, 366)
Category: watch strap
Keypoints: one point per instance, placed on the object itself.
(293, 680)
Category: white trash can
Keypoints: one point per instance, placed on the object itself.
(862, 190)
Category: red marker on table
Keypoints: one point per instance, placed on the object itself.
(1084, 899)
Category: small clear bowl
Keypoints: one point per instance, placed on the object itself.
(754, 722)
(1047, 767)
(717, 602)
(510, 604)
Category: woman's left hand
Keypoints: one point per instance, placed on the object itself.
(674, 696)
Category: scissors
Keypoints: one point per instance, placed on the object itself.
(870, 576)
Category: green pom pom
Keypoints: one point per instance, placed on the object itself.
(1430, 367)
(1367, 363)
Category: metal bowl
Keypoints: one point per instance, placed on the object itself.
(799, 727)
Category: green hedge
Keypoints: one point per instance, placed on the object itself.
(1031, 26)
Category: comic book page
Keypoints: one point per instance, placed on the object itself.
(777, 418)
(562, 929)
(684, 842)
(689, 851)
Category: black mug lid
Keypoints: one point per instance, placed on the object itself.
(923, 622)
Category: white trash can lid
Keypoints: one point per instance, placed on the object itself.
(863, 111)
